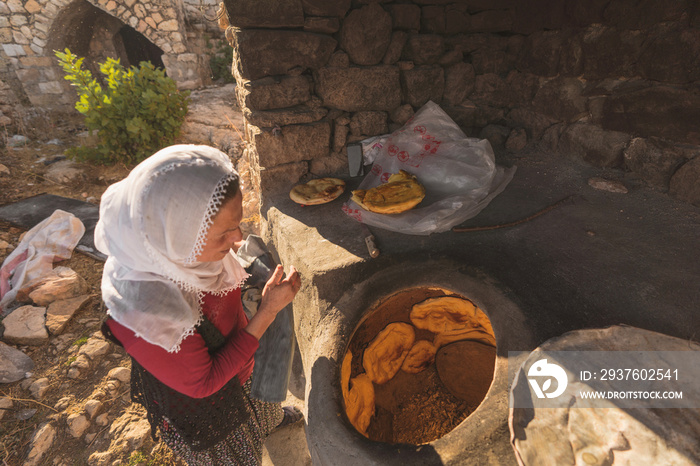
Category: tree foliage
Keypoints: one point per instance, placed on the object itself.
(220, 60)
(137, 111)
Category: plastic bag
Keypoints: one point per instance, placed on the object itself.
(459, 173)
(53, 239)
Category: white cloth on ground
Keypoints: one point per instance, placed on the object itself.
(51, 240)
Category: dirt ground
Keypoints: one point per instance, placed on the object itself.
(26, 178)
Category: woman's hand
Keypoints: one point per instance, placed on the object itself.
(278, 292)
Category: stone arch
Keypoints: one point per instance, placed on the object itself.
(97, 34)
(93, 33)
(176, 32)
(161, 22)
(138, 48)
(95, 29)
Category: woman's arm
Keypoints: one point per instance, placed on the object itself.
(192, 370)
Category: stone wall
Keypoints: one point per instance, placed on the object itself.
(613, 82)
(170, 31)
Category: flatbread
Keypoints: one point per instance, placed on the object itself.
(420, 357)
(359, 403)
(444, 314)
(345, 370)
(384, 356)
(358, 196)
(473, 334)
(318, 191)
(400, 193)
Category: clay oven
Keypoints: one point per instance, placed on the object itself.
(442, 412)
(417, 365)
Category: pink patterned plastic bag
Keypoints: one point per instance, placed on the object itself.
(459, 173)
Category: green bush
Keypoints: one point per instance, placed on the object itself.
(220, 60)
(138, 112)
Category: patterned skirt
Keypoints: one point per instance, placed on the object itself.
(243, 446)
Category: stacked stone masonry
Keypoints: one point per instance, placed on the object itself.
(31, 30)
(613, 82)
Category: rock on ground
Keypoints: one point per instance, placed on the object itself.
(14, 364)
(26, 325)
(121, 374)
(5, 405)
(88, 356)
(77, 424)
(39, 387)
(41, 442)
(63, 283)
(607, 185)
(64, 172)
(60, 312)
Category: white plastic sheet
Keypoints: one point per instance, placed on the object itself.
(459, 173)
(51, 240)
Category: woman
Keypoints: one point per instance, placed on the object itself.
(171, 285)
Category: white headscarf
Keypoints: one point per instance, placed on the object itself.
(152, 226)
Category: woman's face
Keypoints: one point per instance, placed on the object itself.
(224, 232)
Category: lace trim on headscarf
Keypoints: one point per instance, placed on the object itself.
(141, 232)
(201, 318)
(212, 209)
(190, 331)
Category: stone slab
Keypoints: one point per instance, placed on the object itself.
(337, 8)
(61, 283)
(59, 313)
(357, 89)
(423, 83)
(366, 33)
(261, 52)
(594, 145)
(328, 255)
(290, 116)
(663, 111)
(424, 49)
(14, 364)
(292, 143)
(265, 13)
(272, 93)
(577, 429)
(684, 183)
(26, 326)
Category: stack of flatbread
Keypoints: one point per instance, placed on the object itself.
(318, 191)
(400, 193)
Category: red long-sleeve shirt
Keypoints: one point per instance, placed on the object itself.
(192, 370)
